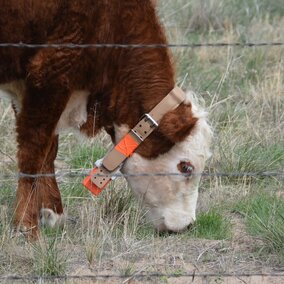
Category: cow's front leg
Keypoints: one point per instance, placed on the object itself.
(37, 148)
(51, 212)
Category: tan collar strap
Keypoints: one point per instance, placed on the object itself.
(100, 176)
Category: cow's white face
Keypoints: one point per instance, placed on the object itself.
(171, 200)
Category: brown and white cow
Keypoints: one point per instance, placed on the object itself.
(93, 89)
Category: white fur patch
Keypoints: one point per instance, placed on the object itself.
(75, 113)
(171, 200)
(50, 219)
(14, 91)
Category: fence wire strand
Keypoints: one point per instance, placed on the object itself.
(140, 276)
(133, 46)
(83, 173)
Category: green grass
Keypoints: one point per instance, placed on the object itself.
(48, 259)
(73, 190)
(264, 218)
(127, 269)
(250, 157)
(211, 225)
(85, 156)
(7, 194)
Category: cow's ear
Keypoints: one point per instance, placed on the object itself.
(177, 127)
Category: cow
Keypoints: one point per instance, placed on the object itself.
(93, 89)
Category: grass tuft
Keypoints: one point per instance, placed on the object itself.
(48, 259)
(264, 218)
(84, 156)
(251, 157)
(212, 225)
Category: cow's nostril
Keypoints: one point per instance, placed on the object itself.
(171, 232)
(165, 233)
(189, 227)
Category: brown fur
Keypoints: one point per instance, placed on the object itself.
(124, 83)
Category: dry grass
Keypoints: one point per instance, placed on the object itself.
(244, 92)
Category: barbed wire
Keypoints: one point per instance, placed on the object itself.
(140, 276)
(83, 173)
(133, 46)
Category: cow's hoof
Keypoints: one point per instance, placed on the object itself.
(51, 219)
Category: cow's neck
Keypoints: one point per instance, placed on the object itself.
(133, 81)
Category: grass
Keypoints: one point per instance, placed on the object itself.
(264, 219)
(251, 157)
(84, 156)
(243, 90)
(47, 258)
(212, 225)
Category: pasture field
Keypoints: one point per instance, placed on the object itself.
(240, 223)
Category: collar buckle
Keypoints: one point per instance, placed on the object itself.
(148, 118)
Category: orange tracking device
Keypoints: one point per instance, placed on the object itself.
(100, 176)
(94, 188)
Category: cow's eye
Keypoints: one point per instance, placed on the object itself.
(185, 167)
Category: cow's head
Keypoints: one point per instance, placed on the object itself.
(171, 200)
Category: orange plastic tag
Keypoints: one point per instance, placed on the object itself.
(127, 145)
(87, 182)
